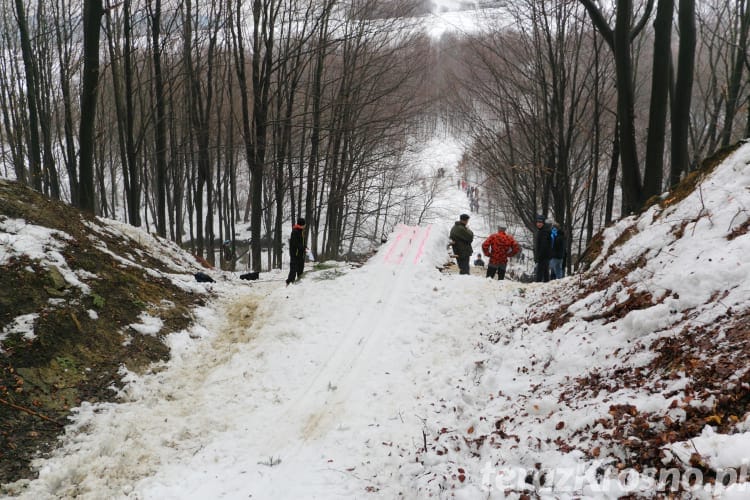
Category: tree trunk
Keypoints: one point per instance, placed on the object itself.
(631, 176)
(738, 59)
(160, 130)
(133, 187)
(32, 98)
(92, 15)
(619, 41)
(612, 176)
(64, 60)
(657, 120)
(683, 90)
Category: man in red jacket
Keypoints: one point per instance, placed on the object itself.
(499, 247)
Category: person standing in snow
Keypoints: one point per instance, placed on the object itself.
(499, 247)
(542, 249)
(557, 236)
(478, 262)
(297, 251)
(461, 237)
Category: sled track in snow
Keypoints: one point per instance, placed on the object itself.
(323, 401)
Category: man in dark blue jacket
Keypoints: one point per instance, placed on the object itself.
(297, 251)
(557, 255)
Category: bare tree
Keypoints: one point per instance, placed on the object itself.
(92, 16)
(619, 40)
(255, 119)
(65, 25)
(536, 99)
(683, 91)
(14, 123)
(122, 67)
(160, 131)
(32, 98)
(720, 28)
(297, 27)
(738, 58)
(660, 83)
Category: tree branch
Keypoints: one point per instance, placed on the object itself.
(642, 23)
(599, 22)
(30, 412)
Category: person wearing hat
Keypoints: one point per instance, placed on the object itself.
(542, 249)
(461, 237)
(499, 247)
(297, 251)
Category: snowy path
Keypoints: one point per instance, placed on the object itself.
(316, 390)
(367, 329)
(337, 394)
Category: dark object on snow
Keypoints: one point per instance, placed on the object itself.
(250, 276)
(526, 278)
(478, 261)
(203, 278)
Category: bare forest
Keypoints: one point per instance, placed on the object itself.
(202, 119)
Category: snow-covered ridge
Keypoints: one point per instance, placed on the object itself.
(684, 255)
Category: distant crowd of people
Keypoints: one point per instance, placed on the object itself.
(549, 249)
(472, 192)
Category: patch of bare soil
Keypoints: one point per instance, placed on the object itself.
(75, 355)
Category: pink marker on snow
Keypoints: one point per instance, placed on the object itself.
(394, 245)
(421, 245)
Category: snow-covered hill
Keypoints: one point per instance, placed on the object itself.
(626, 379)
(398, 380)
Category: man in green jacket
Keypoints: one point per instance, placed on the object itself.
(461, 237)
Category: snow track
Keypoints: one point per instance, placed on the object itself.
(325, 408)
(368, 328)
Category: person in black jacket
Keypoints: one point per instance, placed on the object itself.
(297, 251)
(557, 236)
(542, 249)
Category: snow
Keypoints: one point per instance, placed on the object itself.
(722, 451)
(330, 388)
(22, 324)
(149, 325)
(39, 243)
